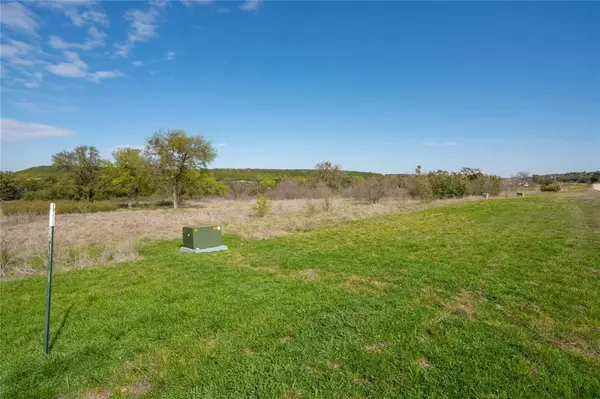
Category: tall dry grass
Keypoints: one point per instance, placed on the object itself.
(97, 238)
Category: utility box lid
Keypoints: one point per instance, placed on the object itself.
(200, 237)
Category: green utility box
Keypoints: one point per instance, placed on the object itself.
(201, 237)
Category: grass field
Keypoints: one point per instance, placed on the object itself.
(476, 299)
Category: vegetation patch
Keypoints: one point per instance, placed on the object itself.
(446, 307)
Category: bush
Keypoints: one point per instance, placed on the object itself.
(553, 187)
(374, 189)
(43, 207)
(241, 189)
(419, 187)
(262, 206)
(290, 189)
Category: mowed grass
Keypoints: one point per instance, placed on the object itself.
(482, 299)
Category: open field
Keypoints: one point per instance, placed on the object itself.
(475, 299)
(85, 239)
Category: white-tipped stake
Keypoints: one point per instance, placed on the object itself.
(49, 281)
(52, 214)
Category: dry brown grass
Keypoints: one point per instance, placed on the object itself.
(97, 238)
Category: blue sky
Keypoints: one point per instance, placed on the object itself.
(378, 86)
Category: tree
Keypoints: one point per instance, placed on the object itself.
(331, 175)
(202, 184)
(267, 184)
(174, 154)
(9, 187)
(130, 174)
(83, 164)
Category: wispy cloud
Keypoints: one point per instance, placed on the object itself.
(96, 39)
(34, 80)
(15, 130)
(191, 3)
(80, 12)
(20, 53)
(439, 144)
(221, 144)
(75, 67)
(223, 10)
(137, 63)
(251, 5)
(170, 55)
(143, 26)
(18, 18)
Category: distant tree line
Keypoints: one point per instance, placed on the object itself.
(174, 165)
(570, 177)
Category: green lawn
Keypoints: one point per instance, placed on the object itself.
(480, 299)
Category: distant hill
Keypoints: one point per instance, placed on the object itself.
(40, 171)
(220, 174)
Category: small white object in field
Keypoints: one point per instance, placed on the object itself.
(486, 195)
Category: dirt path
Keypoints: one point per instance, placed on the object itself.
(596, 186)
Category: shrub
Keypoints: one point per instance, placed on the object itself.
(553, 187)
(42, 207)
(262, 206)
(241, 189)
(373, 189)
(419, 187)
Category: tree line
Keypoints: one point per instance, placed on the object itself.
(172, 163)
(175, 165)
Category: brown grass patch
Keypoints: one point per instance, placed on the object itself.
(97, 393)
(333, 365)
(377, 347)
(423, 363)
(463, 304)
(139, 388)
(580, 348)
(359, 283)
(292, 394)
(308, 274)
(285, 340)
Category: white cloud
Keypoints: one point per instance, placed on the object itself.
(15, 130)
(170, 55)
(191, 3)
(96, 39)
(221, 144)
(18, 53)
(143, 26)
(76, 68)
(71, 9)
(17, 17)
(137, 63)
(159, 3)
(97, 76)
(250, 5)
(35, 80)
(440, 144)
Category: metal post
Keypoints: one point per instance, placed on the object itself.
(49, 282)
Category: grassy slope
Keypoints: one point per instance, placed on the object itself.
(498, 298)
